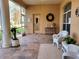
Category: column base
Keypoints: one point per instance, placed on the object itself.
(6, 45)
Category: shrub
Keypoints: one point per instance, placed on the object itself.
(70, 40)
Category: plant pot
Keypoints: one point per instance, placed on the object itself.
(15, 43)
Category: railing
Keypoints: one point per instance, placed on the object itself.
(19, 30)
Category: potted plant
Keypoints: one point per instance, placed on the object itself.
(70, 40)
(15, 41)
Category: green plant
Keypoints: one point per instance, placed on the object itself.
(13, 31)
(20, 30)
(70, 40)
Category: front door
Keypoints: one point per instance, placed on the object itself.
(36, 19)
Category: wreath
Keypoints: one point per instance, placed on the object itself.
(77, 12)
(50, 17)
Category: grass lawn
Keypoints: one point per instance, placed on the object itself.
(20, 30)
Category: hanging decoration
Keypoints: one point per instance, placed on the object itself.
(50, 17)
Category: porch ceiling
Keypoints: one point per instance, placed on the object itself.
(38, 2)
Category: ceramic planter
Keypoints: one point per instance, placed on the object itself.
(15, 43)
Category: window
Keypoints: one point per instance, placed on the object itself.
(67, 17)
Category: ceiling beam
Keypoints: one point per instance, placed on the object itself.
(20, 2)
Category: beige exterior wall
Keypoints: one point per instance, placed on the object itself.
(75, 19)
(43, 10)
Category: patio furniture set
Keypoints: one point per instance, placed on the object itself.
(70, 51)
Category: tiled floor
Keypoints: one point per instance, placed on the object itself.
(25, 52)
(29, 47)
(49, 51)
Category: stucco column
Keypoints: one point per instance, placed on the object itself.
(5, 18)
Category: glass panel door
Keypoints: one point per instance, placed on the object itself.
(67, 17)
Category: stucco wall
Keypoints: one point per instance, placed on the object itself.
(74, 18)
(43, 10)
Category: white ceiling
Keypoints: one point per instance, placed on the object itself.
(38, 2)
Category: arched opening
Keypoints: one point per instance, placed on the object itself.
(17, 17)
